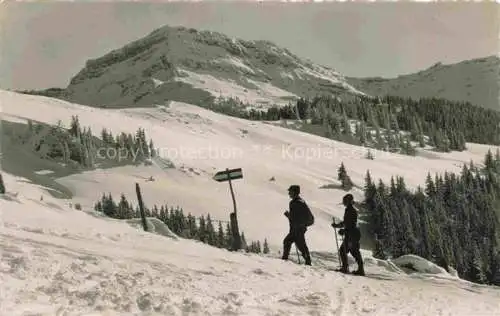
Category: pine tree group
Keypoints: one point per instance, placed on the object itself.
(79, 146)
(185, 226)
(453, 221)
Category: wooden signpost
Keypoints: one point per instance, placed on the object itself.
(141, 207)
(229, 175)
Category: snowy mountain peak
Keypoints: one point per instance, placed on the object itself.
(181, 64)
(475, 81)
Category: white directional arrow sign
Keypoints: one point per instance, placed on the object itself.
(226, 175)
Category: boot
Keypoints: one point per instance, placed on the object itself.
(360, 271)
(344, 269)
(307, 261)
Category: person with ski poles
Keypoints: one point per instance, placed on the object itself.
(299, 217)
(352, 236)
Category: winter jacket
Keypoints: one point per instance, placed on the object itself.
(350, 224)
(299, 213)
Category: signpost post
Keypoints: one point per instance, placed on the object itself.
(229, 175)
(141, 207)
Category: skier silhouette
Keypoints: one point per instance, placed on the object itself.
(352, 236)
(299, 218)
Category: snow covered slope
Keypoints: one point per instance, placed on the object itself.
(476, 81)
(201, 142)
(59, 261)
(175, 63)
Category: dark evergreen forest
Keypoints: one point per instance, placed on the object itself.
(390, 123)
(452, 221)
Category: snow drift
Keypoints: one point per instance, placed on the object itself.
(154, 226)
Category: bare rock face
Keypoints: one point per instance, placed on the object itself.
(197, 66)
(476, 81)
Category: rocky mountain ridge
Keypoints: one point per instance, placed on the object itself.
(193, 66)
(176, 63)
(476, 81)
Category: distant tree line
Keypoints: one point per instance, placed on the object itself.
(452, 221)
(388, 123)
(50, 92)
(233, 106)
(77, 145)
(200, 228)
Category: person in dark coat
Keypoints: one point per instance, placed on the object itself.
(297, 217)
(352, 236)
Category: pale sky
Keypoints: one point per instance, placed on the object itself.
(44, 44)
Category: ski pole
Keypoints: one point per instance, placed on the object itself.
(337, 242)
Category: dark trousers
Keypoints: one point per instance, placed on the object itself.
(297, 236)
(351, 245)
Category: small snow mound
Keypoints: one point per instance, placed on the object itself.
(419, 264)
(387, 265)
(44, 172)
(453, 272)
(157, 82)
(154, 226)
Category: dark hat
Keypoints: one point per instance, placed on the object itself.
(348, 199)
(294, 188)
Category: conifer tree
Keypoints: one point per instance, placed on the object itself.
(378, 251)
(372, 121)
(336, 124)
(489, 161)
(244, 244)
(163, 215)
(346, 126)
(258, 248)
(74, 126)
(211, 238)
(327, 127)
(123, 207)
(229, 237)
(109, 206)
(98, 207)
(192, 227)
(152, 150)
(266, 247)
(379, 140)
(2, 185)
(220, 236)
(202, 230)
(155, 212)
(344, 178)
